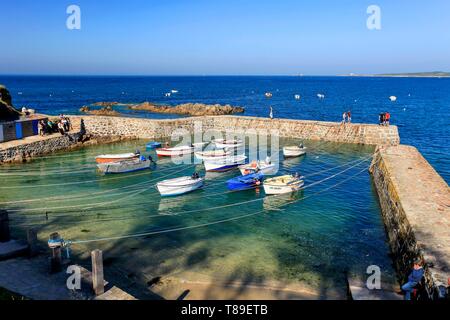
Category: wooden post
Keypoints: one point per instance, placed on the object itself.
(98, 283)
(4, 226)
(32, 242)
(56, 260)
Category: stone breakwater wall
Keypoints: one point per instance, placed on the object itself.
(415, 205)
(21, 150)
(302, 129)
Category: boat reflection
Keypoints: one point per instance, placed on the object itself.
(280, 202)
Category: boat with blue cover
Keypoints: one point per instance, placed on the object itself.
(248, 181)
(153, 145)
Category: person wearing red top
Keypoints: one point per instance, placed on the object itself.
(387, 118)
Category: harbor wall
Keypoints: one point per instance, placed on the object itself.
(302, 129)
(415, 206)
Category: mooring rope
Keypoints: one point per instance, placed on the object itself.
(143, 234)
(150, 202)
(90, 206)
(213, 208)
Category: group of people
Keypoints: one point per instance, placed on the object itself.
(347, 117)
(384, 118)
(62, 126)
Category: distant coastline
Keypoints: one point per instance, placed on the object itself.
(434, 74)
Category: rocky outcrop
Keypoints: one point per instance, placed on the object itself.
(7, 111)
(106, 110)
(191, 109)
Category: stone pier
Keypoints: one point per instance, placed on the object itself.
(415, 203)
(368, 134)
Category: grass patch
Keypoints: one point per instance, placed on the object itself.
(8, 295)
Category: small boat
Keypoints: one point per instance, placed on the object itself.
(223, 143)
(393, 98)
(283, 184)
(297, 97)
(178, 151)
(174, 91)
(268, 94)
(213, 154)
(223, 164)
(264, 167)
(249, 181)
(153, 145)
(167, 94)
(320, 96)
(178, 186)
(125, 166)
(293, 151)
(106, 158)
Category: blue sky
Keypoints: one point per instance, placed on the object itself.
(215, 37)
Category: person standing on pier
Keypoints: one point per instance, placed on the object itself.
(414, 279)
(349, 116)
(271, 113)
(344, 117)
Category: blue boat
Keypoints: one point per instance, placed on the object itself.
(249, 181)
(153, 145)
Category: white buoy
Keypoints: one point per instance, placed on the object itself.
(393, 98)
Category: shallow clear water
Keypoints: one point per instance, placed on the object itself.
(422, 109)
(312, 237)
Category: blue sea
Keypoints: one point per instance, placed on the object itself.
(422, 109)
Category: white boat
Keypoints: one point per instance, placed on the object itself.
(393, 98)
(106, 158)
(223, 143)
(283, 184)
(178, 186)
(213, 154)
(320, 96)
(174, 91)
(178, 151)
(124, 166)
(293, 151)
(266, 168)
(268, 94)
(297, 97)
(223, 164)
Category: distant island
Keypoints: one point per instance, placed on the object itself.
(433, 74)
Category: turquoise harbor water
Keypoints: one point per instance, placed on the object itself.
(310, 238)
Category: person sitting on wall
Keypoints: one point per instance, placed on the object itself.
(414, 278)
(61, 128)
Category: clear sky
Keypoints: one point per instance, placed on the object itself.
(215, 37)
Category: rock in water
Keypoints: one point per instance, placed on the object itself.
(192, 109)
(7, 111)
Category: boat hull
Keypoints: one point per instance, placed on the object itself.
(168, 189)
(281, 189)
(224, 164)
(244, 183)
(290, 153)
(267, 169)
(123, 167)
(112, 158)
